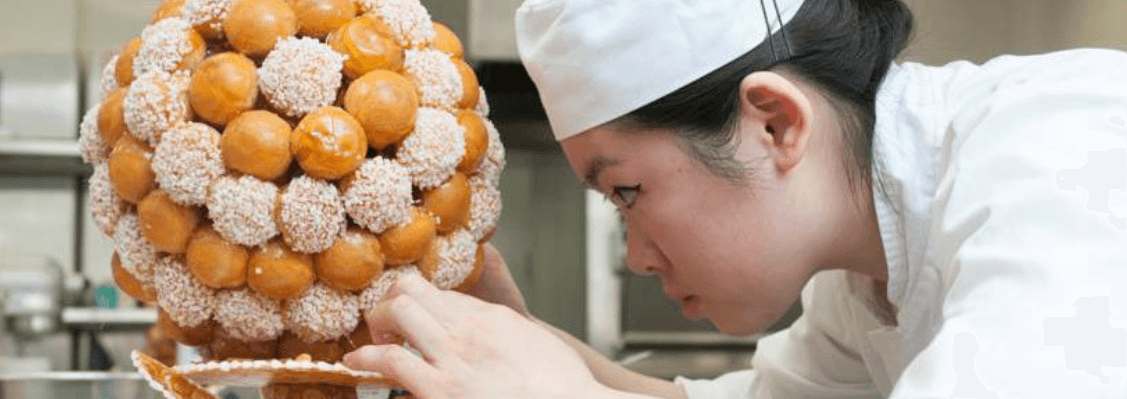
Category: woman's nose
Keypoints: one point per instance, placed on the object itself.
(641, 256)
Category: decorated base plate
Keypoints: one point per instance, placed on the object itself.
(187, 381)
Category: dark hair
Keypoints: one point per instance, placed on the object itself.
(844, 47)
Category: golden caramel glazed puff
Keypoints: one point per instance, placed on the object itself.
(318, 18)
(328, 143)
(446, 41)
(477, 140)
(449, 203)
(130, 284)
(131, 169)
(223, 86)
(351, 263)
(407, 243)
(306, 391)
(167, 9)
(123, 69)
(291, 346)
(252, 26)
(385, 103)
(430, 261)
(216, 262)
(111, 115)
(225, 347)
(476, 273)
(167, 224)
(257, 143)
(368, 44)
(470, 87)
(277, 272)
(191, 336)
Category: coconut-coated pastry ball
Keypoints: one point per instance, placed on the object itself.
(207, 16)
(408, 242)
(167, 9)
(318, 18)
(137, 255)
(485, 208)
(328, 143)
(437, 76)
(130, 284)
(191, 336)
(446, 41)
(449, 203)
(457, 253)
(165, 223)
(477, 140)
(123, 68)
(471, 90)
(321, 313)
(105, 206)
(257, 143)
(156, 102)
(252, 26)
(278, 272)
(222, 87)
(434, 149)
(242, 209)
(351, 263)
(476, 273)
(378, 194)
(93, 149)
(187, 161)
(111, 115)
(246, 315)
(131, 169)
(408, 20)
(310, 214)
(300, 75)
(167, 45)
(367, 44)
(216, 262)
(187, 302)
(385, 103)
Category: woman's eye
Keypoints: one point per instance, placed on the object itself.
(624, 196)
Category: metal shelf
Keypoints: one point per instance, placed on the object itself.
(39, 148)
(101, 320)
(41, 157)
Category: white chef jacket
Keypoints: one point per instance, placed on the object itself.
(1003, 213)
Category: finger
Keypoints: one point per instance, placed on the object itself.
(403, 315)
(397, 363)
(444, 305)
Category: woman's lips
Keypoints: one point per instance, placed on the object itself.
(692, 308)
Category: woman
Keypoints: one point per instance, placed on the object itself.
(930, 218)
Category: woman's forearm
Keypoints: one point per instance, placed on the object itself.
(614, 375)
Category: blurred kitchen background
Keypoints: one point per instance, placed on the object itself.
(67, 327)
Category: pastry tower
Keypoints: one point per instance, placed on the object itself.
(266, 168)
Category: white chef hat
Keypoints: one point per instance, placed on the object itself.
(596, 60)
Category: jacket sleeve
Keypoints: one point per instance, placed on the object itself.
(1028, 244)
(815, 358)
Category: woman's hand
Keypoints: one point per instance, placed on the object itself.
(469, 349)
(496, 284)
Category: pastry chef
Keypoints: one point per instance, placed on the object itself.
(951, 231)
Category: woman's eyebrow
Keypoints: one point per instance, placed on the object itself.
(595, 166)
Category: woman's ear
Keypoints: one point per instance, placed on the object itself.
(777, 115)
